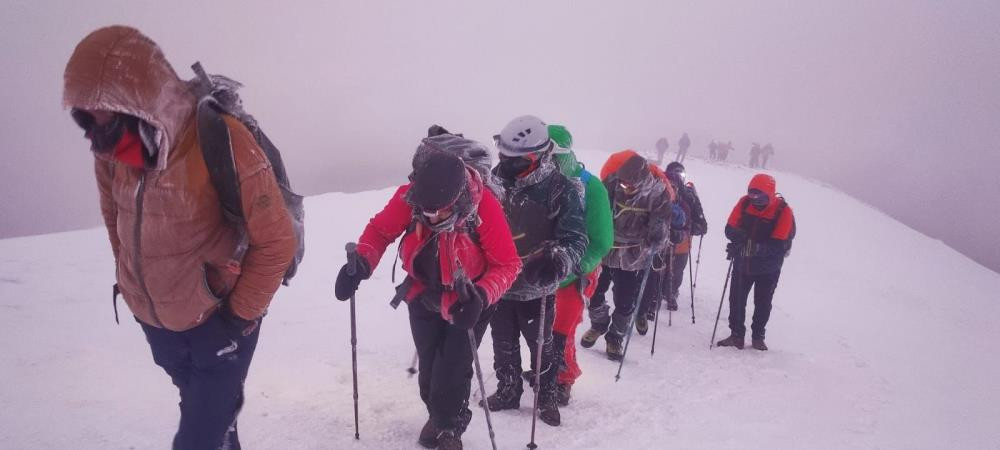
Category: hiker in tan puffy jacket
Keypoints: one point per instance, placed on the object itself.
(170, 241)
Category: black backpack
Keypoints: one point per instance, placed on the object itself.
(217, 96)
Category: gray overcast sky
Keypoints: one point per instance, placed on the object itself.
(895, 102)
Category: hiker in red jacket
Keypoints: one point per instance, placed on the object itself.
(450, 224)
(760, 229)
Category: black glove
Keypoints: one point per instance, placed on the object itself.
(471, 301)
(737, 235)
(236, 325)
(676, 236)
(545, 270)
(347, 284)
(733, 250)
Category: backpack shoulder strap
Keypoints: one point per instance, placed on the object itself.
(217, 151)
(779, 212)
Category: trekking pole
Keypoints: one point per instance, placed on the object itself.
(670, 278)
(628, 336)
(482, 389)
(412, 370)
(538, 369)
(697, 262)
(719, 313)
(352, 268)
(691, 279)
(656, 321)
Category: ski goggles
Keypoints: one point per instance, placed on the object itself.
(103, 136)
(519, 166)
(442, 213)
(628, 188)
(83, 119)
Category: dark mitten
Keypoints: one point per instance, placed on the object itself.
(347, 284)
(471, 301)
(735, 234)
(676, 236)
(733, 250)
(545, 270)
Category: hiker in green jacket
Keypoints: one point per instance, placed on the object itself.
(582, 282)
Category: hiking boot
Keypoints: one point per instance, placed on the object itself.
(428, 435)
(506, 397)
(449, 440)
(548, 409)
(731, 341)
(563, 394)
(671, 304)
(641, 325)
(614, 350)
(758, 344)
(590, 337)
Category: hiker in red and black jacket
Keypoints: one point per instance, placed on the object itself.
(460, 258)
(760, 229)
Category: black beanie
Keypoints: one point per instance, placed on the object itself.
(633, 170)
(438, 182)
(675, 166)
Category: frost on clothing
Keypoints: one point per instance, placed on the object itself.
(597, 214)
(545, 213)
(170, 282)
(697, 225)
(492, 263)
(641, 218)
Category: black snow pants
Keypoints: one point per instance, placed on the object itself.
(625, 292)
(512, 320)
(669, 284)
(446, 371)
(664, 285)
(208, 364)
(763, 292)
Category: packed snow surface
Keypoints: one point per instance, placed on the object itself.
(880, 338)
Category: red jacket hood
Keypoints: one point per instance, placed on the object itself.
(764, 183)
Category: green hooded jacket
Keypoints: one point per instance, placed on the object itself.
(597, 209)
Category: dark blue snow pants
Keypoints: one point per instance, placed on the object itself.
(763, 293)
(208, 364)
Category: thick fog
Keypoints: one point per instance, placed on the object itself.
(894, 102)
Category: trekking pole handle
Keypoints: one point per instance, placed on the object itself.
(352, 258)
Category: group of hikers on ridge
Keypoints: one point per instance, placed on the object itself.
(204, 228)
(717, 151)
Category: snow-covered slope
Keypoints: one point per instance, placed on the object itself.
(880, 338)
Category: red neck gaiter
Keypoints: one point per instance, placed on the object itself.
(129, 150)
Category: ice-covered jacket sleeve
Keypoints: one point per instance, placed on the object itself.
(105, 172)
(385, 227)
(660, 214)
(570, 227)
(502, 262)
(600, 227)
(272, 240)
